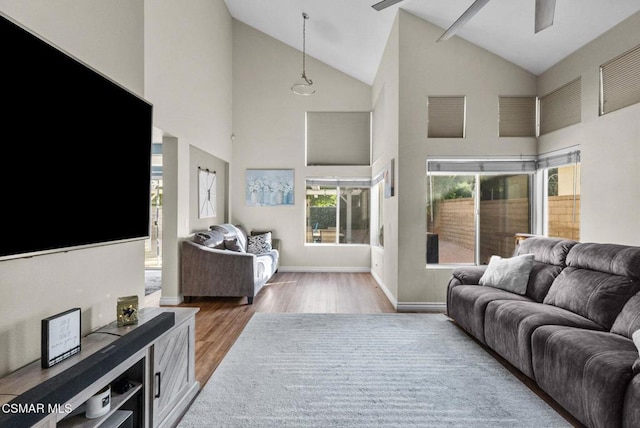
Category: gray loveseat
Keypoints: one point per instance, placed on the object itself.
(571, 331)
(225, 261)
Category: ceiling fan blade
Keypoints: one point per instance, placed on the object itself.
(384, 4)
(545, 10)
(467, 15)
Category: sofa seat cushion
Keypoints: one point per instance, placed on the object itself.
(630, 408)
(586, 371)
(508, 327)
(265, 267)
(469, 302)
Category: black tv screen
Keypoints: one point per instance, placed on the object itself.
(76, 151)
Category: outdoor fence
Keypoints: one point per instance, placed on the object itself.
(454, 223)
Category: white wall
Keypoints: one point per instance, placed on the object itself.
(610, 145)
(112, 40)
(92, 279)
(454, 67)
(178, 56)
(188, 71)
(385, 104)
(188, 78)
(269, 125)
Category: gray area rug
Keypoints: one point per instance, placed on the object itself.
(152, 281)
(382, 370)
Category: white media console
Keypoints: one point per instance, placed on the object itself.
(148, 366)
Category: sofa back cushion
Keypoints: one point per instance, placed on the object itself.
(550, 256)
(540, 279)
(629, 319)
(598, 281)
(241, 236)
(552, 251)
(614, 259)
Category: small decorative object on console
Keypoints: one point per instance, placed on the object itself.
(60, 337)
(127, 310)
(99, 404)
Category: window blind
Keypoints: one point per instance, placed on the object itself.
(446, 117)
(480, 166)
(338, 138)
(517, 116)
(472, 166)
(377, 178)
(620, 82)
(562, 107)
(342, 182)
(553, 160)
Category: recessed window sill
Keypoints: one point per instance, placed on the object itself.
(449, 266)
(327, 244)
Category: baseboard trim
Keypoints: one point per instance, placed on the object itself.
(385, 290)
(324, 269)
(171, 301)
(421, 307)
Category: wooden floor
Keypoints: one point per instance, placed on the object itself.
(221, 320)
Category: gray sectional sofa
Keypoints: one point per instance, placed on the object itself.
(225, 261)
(571, 331)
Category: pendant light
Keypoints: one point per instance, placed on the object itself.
(304, 85)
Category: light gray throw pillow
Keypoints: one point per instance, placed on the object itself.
(508, 274)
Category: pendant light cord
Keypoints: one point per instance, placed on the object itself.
(303, 85)
(304, 46)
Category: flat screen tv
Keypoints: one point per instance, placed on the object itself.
(76, 151)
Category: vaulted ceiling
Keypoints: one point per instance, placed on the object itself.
(350, 35)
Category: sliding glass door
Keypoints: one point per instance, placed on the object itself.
(472, 217)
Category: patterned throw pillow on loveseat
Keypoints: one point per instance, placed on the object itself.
(259, 244)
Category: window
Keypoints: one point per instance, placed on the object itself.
(561, 195)
(451, 223)
(620, 82)
(474, 209)
(561, 108)
(338, 138)
(338, 211)
(517, 116)
(377, 212)
(446, 117)
(153, 244)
